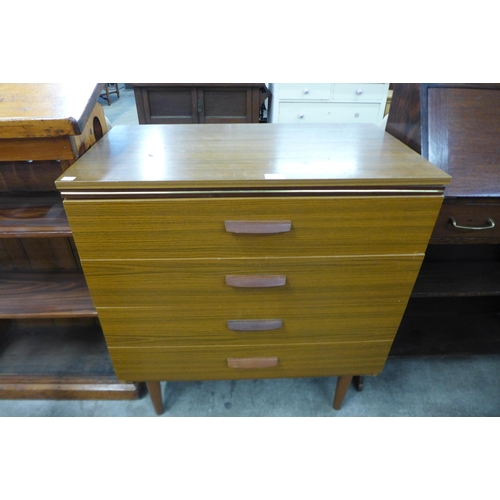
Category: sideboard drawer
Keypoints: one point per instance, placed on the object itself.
(478, 220)
(306, 91)
(196, 228)
(211, 362)
(326, 282)
(363, 92)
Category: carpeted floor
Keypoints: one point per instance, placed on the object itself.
(467, 386)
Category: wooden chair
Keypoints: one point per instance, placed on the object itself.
(108, 89)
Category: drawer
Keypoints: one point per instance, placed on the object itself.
(364, 92)
(252, 324)
(304, 91)
(269, 285)
(468, 213)
(211, 362)
(195, 228)
(329, 113)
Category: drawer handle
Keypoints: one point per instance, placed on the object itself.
(252, 362)
(359, 91)
(265, 281)
(491, 225)
(254, 325)
(258, 227)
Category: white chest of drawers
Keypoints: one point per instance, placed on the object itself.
(250, 251)
(328, 102)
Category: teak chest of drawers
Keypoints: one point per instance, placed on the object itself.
(250, 251)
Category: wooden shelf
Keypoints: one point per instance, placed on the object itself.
(449, 326)
(28, 215)
(58, 363)
(58, 294)
(458, 279)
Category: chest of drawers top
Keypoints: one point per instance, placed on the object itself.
(247, 156)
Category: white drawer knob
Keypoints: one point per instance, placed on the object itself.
(359, 91)
(301, 115)
(356, 115)
(306, 91)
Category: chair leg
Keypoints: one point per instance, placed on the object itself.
(343, 384)
(154, 389)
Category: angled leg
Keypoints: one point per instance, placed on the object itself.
(154, 389)
(343, 384)
(359, 382)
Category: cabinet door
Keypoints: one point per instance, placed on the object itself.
(159, 105)
(225, 105)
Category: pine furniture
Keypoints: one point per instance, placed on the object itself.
(51, 344)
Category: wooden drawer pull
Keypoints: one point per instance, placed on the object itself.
(254, 325)
(490, 221)
(258, 227)
(264, 281)
(252, 362)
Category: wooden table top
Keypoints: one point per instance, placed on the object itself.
(29, 110)
(249, 155)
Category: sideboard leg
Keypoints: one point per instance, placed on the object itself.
(154, 389)
(343, 384)
(359, 382)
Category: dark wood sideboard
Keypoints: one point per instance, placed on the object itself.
(455, 305)
(159, 103)
(51, 343)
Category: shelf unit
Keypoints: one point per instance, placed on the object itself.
(455, 305)
(51, 342)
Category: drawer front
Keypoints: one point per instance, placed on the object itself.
(329, 113)
(324, 283)
(304, 91)
(362, 92)
(211, 362)
(196, 228)
(189, 325)
(483, 215)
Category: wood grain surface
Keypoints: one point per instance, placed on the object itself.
(32, 215)
(190, 325)
(210, 363)
(29, 110)
(249, 155)
(194, 228)
(44, 295)
(201, 283)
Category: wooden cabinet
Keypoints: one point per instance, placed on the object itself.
(248, 251)
(51, 344)
(455, 304)
(328, 102)
(199, 103)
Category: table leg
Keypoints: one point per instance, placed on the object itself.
(343, 384)
(154, 389)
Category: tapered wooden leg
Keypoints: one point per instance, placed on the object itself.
(343, 384)
(359, 382)
(154, 389)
